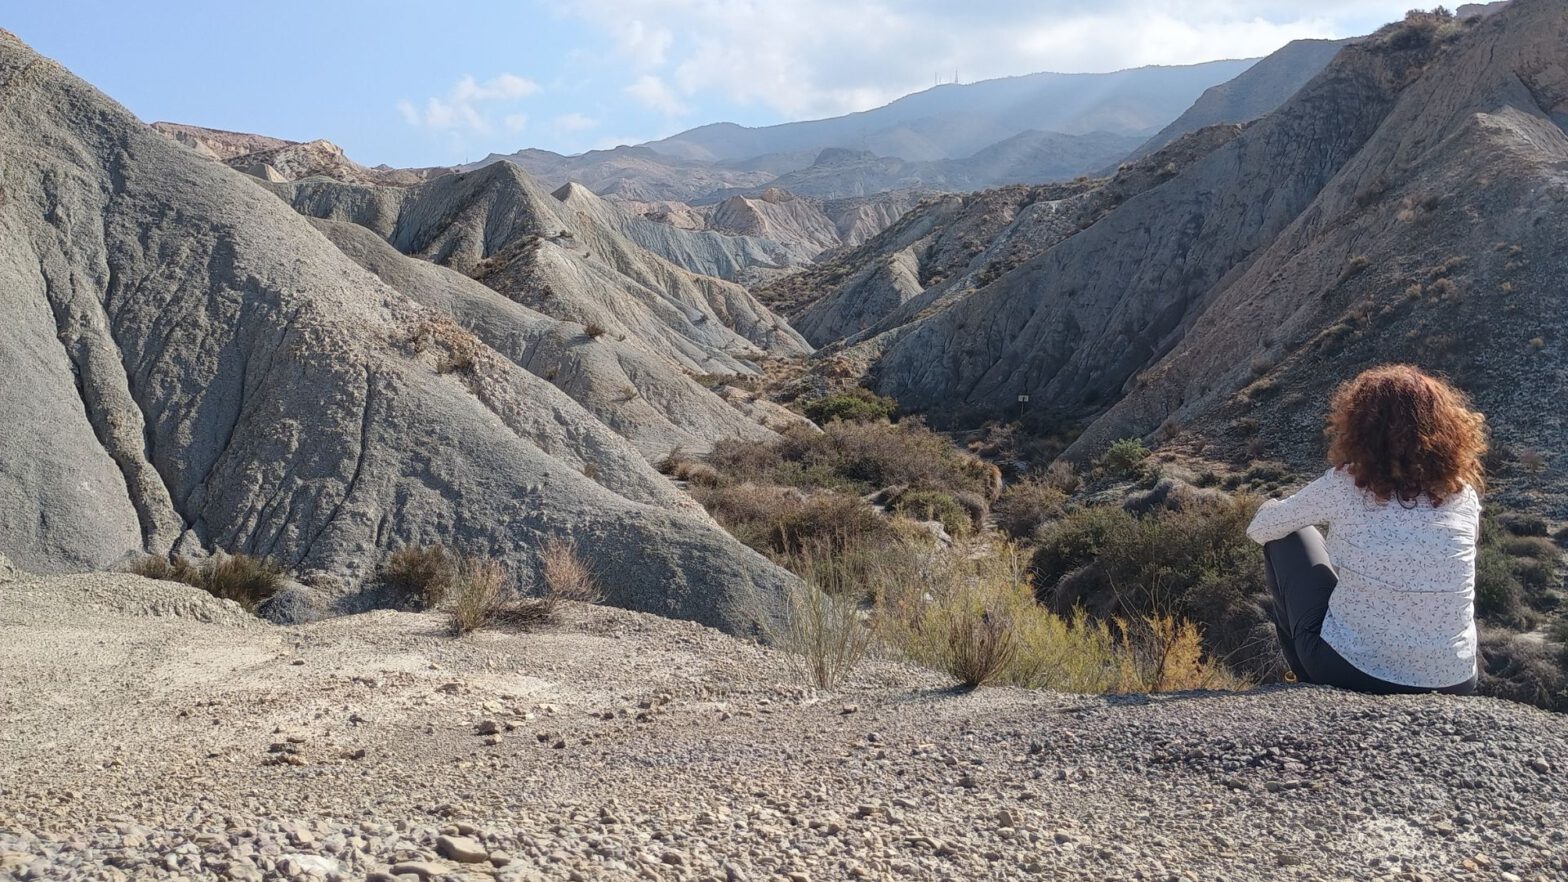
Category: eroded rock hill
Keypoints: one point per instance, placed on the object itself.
(1404, 205)
(195, 365)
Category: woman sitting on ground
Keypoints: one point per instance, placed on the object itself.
(1387, 603)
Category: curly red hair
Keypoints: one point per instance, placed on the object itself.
(1402, 433)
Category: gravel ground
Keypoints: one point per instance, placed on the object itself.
(152, 732)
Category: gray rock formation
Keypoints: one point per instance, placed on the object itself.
(633, 173)
(217, 143)
(1404, 205)
(727, 255)
(643, 397)
(274, 159)
(949, 247)
(499, 225)
(200, 365)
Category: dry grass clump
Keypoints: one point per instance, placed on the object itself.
(456, 348)
(476, 591)
(976, 619)
(474, 594)
(242, 578)
(825, 632)
(420, 576)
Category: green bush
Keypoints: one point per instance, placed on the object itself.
(1125, 458)
(856, 405)
(1074, 541)
(934, 505)
(1195, 563)
(1499, 595)
(1521, 524)
(1026, 506)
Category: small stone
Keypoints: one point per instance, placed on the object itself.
(461, 849)
(492, 740)
(488, 727)
(1004, 818)
(1541, 766)
(673, 858)
(850, 709)
(422, 869)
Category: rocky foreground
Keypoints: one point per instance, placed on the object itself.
(153, 732)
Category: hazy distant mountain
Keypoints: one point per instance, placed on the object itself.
(1025, 158)
(634, 173)
(1253, 93)
(954, 121)
(1024, 129)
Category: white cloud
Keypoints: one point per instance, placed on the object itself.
(823, 57)
(653, 93)
(460, 108)
(646, 46)
(567, 123)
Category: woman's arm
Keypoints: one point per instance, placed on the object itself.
(1316, 503)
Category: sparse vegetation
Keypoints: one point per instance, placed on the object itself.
(1026, 506)
(934, 505)
(475, 593)
(593, 330)
(419, 576)
(857, 405)
(976, 619)
(1125, 458)
(248, 581)
(825, 631)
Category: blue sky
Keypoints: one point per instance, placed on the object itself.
(435, 83)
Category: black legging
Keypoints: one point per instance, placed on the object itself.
(1302, 579)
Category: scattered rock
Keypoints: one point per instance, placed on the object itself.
(461, 849)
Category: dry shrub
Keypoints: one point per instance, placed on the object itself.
(825, 633)
(176, 569)
(420, 576)
(475, 593)
(246, 580)
(976, 619)
(594, 330)
(783, 521)
(1193, 563)
(457, 349)
(1027, 505)
(566, 577)
(1523, 668)
(1161, 653)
